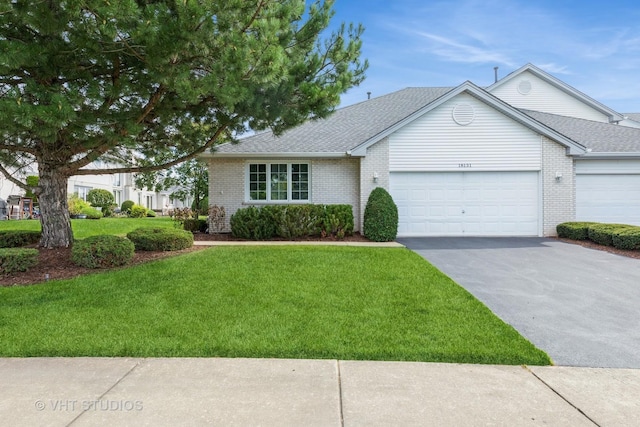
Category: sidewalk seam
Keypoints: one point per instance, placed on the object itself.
(340, 393)
(107, 391)
(562, 397)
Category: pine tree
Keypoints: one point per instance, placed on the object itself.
(151, 84)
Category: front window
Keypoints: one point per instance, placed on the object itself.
(81, 191)
(278, 182)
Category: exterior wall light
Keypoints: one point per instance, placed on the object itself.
(375, 177)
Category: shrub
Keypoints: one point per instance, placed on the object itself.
(91, 213)
(380, 216)
(76, 205)
(151, 213)
(574, 230)
(101, 198)
(17, 238)
(126, 206)
(338, 220)
(298, 220)
(17, 259)
(160, 239)
(102, 251)
(138, 211)
(603, 233)
(195, 225)
(254, 223)
(628, 238)
(217, 215)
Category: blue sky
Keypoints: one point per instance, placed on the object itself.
(593, 46)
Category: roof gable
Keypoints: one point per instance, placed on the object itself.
(579, 97)
(339, 133)
(573, 147)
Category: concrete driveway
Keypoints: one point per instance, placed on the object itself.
(582, 306)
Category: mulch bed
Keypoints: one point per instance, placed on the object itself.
(56, 263)
(591, 245)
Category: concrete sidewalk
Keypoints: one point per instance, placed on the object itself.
(283, 392)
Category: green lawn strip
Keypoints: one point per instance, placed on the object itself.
(282, 302)
(83, 228)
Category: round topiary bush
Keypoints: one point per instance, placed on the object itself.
(126, 206)
(380, 217)
(160, 239)
(102, 251)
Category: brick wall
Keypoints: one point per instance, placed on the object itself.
(558, 196)
(337, 181)
(333, 181)
(226, 185)
(376, 161)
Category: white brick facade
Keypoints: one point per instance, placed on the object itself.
(558, 195)
(376, 162)
(333, 181)
(226, 185)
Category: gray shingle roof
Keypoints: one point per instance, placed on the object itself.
(599, 137)
(345, 129)
(633, 116)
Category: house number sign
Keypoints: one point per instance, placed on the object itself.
(464, 165)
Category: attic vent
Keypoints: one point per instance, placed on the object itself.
(524, 87)
(463, 114)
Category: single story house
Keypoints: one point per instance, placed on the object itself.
(512, 159)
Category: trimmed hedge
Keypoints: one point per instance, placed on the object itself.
(338, 220)
(295, 221)
(292, 221)
(17, 259)
(17, 238)
(195, 225)
(160, 239)
(102, 251)
(628, 238)
(254, 223)
(380, 216)
(603, 233)
(574, 230)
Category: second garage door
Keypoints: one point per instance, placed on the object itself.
(466, 203)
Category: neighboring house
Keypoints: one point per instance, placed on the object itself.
(122, 186)
(512, 159)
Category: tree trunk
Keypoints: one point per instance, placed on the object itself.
(54, 209)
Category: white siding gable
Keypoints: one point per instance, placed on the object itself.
(530, 92)
(490, 142)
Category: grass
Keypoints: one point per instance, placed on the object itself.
(282, 302)
(83, 228)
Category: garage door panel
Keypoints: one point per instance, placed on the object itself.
(608, 198)
(466, 203)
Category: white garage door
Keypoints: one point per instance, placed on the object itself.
(608, 198)
(466, 203)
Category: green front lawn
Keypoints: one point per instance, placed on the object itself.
(83, 228)
(263, 301)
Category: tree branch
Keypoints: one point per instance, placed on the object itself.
(133, 169)
(153, 101)
(254, 17)
(12, 179)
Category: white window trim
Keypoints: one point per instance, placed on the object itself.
(289, 201)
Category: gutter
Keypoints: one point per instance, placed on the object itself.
(289, 155)
(608, 155)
